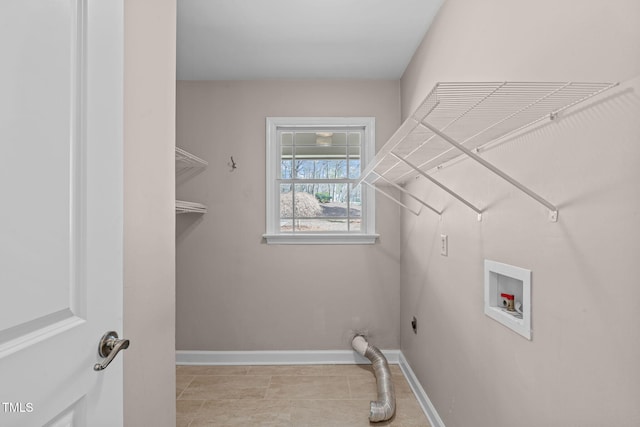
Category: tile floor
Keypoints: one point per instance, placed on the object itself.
(292, 396)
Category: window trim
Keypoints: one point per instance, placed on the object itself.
(273, 234)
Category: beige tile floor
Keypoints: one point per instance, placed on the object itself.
(292, 396)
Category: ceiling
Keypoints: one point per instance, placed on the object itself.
(299, 39)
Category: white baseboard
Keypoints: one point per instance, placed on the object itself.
(292, 357)
(424, 401)
(310, 357)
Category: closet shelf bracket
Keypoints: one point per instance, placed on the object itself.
(408, 193)
(553, 210)
(439, 184)
(389, 196)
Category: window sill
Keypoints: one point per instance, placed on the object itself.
(320, 239)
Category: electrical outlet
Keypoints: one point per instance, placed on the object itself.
(444, 245)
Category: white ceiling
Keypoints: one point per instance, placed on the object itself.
(299, 39)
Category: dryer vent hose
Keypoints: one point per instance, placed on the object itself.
(383, 408)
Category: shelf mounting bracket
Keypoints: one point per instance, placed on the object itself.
(384, 193)
(439, 184)
(408, 193)
(553, 210)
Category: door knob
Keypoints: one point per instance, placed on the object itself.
(109, 347)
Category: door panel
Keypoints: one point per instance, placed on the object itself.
(40, 114)
(61, 218)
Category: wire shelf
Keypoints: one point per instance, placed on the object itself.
(455, 119)
(185, 159)
(189, 207)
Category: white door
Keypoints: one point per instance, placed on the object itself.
(61, 210)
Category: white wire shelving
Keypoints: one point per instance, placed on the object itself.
(186, 161)
(457, 119)
(189, 207)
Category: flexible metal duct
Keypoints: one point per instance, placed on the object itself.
(384, 408)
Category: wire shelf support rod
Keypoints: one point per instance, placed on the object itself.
(553, 210)
(439, 184)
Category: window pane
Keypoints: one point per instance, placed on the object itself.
(305, 169)
(338, 139)
(286, 154)
(285, 169)
(304, 139)
(286, 163)
(355, 209)
(286, 138)
(354, 162)
(356, 196)
(354, 138)
(286, 201)
(306, 203)
(337, 169)
(332, 198)
(321, 169)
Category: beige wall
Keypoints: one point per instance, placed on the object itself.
(234, 292)
(581, 368)
(149, 245)
(499, 40)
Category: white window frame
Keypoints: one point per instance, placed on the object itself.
(273, 235)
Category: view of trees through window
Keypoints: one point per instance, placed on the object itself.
(316, 173)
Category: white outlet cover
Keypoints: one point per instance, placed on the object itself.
(444, 245)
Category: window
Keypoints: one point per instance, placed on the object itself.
(312, 165)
